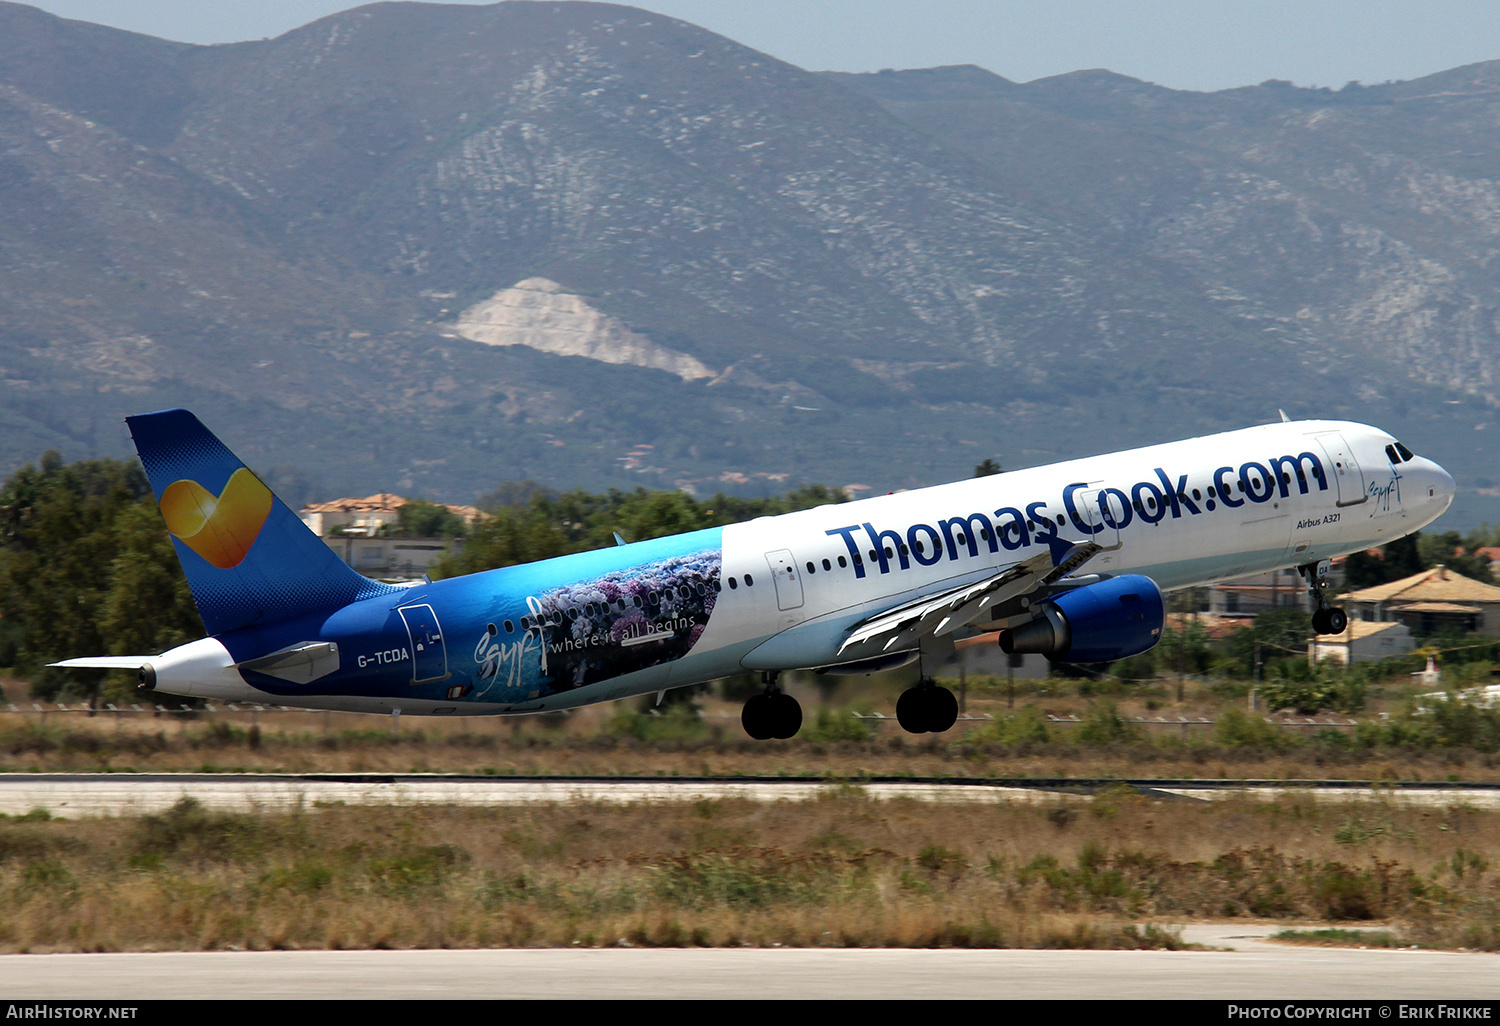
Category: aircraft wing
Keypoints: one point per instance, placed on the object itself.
(945, 612)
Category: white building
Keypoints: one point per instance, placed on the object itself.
(359, 530)
(1362, 641)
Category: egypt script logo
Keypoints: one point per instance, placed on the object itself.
(220, 528)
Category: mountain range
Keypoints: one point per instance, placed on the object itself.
(428, 248)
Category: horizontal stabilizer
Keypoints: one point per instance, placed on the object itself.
(106, 662)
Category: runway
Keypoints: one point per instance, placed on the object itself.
(74, 795)
(1253, 971)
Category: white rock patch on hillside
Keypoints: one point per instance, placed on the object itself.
(538, 313)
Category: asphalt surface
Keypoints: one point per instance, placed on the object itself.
(72, 795)
(1254, 970)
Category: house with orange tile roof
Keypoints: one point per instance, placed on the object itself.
(1429, 601)
(354, 528)
(356, 517)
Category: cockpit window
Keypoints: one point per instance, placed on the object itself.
(1399, 453)
(1406, 454)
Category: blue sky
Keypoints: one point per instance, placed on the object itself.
(1185, 44)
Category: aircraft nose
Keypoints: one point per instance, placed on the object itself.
(1443, 486)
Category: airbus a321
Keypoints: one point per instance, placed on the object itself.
(1068, 560)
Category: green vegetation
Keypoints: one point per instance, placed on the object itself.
(419, 518)
(86, 568)
(1417, 552)
(1339, 937)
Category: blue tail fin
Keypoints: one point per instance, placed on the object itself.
(248, 558)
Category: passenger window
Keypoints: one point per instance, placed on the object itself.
(733, 584)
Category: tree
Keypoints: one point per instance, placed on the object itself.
(86, 568)
(1398, 559)
(1281, 633)
(1455, 552)
(418, 518)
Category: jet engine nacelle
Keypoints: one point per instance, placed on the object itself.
(1097, 623)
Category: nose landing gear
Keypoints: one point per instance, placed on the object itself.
(1326, 619)
(771, 714)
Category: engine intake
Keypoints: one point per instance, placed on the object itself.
(1097, 623)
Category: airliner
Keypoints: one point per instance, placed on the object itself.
(1068, 560)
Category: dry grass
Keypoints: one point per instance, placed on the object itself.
(600, 741)
(842, 871)
(617, 739)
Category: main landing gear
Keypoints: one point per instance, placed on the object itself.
(1326, 619)
(772, 713)
(926, 708)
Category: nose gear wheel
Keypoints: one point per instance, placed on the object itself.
(1326, 619)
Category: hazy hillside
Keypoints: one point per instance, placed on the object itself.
(738, 273)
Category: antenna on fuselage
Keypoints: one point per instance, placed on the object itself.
(618, 539)
(1284, 418)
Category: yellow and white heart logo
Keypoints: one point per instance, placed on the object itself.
(220, 528)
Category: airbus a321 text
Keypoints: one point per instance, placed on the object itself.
(1068, 560)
